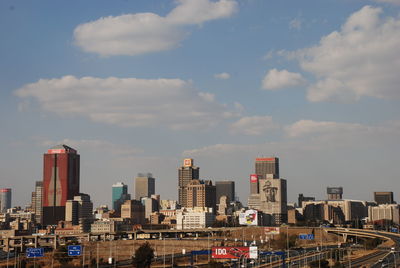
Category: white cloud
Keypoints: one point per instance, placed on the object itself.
(128, 102)
(134, 34)
(277, 79)
(253, 125)
(305, 128)
(222, 76)
(361, 59)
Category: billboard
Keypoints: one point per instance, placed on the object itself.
(249, 217)
(234, 252)
(334, 190)
(253, 178)
(188, 162)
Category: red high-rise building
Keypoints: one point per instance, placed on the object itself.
(60, 181)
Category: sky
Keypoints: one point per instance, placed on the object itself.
(139, 85)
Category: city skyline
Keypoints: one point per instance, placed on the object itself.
(222, 82)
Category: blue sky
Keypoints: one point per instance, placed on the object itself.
(136, 86)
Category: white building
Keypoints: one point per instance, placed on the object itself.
(194, 218)
(384, 212)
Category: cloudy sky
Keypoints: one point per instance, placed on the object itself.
(136, 86)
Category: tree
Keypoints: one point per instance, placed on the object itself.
(143, 256)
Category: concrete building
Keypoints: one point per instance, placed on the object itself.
(5, 199)
(201, 193)
(262, 167)
(72, 212)
(144, 185)
(273, 198)
(79, 209)
(390, 212)
(269, 165)
(119, 195)
(226, 188)
(134, 211)
(150, 205)
(38, 202)
(186, 174)
(334, 193)
(60, 182)
(303, 198)
(194, 218)
(383, 198)
(351, 210)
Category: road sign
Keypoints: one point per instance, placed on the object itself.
(306, 236)
(74, 250)
(34, 252)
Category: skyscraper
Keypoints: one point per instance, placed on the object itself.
(264, 166)
(200, 194)
(5, 199)
(186, 174)
(144, 185)
(226, 188)
(119, 195)
(60, 181)
(37, 205)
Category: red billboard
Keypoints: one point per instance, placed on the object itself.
(233, 252)
(253, 178)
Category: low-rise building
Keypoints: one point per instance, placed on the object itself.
(194, 218)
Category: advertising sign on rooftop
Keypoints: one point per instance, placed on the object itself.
(253, 178)
(249, 217)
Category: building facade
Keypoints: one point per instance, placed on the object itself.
(269, 165)
(38, 204)
(226, 188)
(186, 174)
(273, 199)
(134, 211)
(201, 193)
(144, 186)
(5, 199)
(383, 198)
(334, 193)
(119, 195)
(60, 182)
(194, 218)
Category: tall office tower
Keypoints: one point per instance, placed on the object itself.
(264, 166)
(37, 204)
(273, 198)
(145, 185)
(226, 188)
(201, 194)
(186, 174)
(119, 195)
(334, 193)
(5, 199)
(383, 198)
(60, 181)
